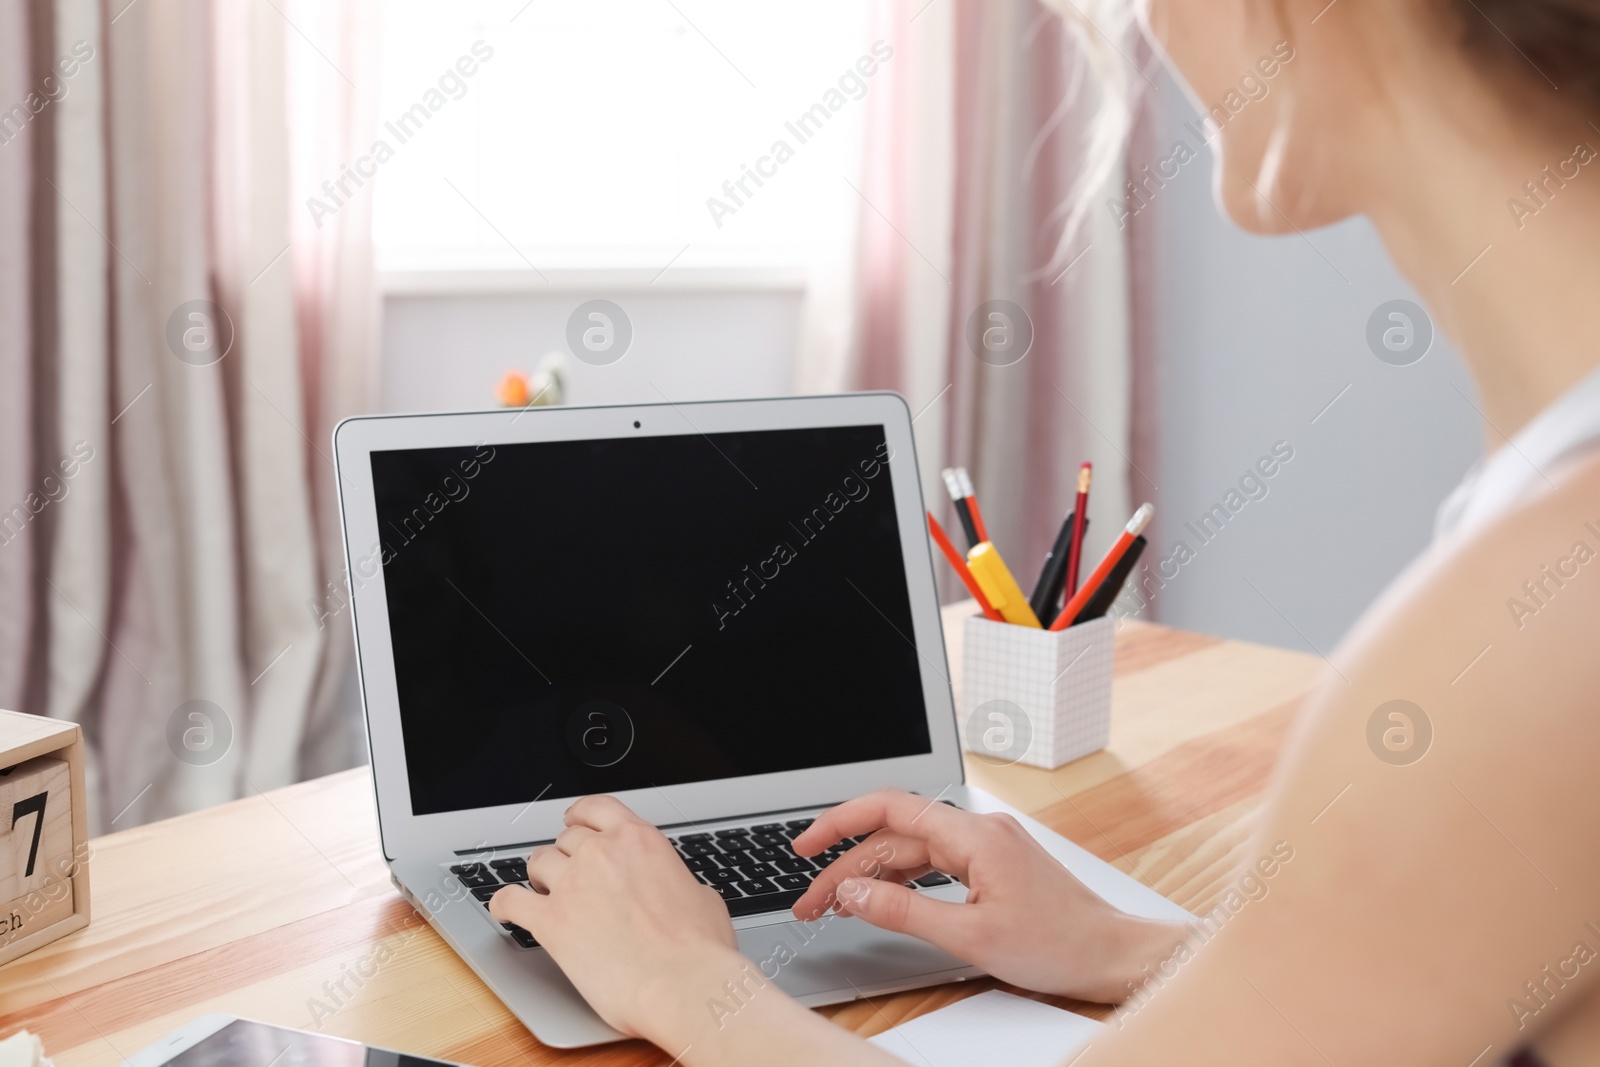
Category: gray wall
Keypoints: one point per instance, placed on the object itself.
(1257, 336)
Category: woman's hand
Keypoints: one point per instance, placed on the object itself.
(1027, 920)
(617, 909)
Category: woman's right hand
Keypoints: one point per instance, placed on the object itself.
(1026, 919)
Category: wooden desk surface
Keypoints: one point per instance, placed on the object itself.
(262, 907)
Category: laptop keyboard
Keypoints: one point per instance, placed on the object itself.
(753, 868)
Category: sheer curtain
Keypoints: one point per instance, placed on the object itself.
(973, 145)
(189, 338)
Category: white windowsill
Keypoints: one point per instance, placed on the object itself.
(560, 280)
(599, 270)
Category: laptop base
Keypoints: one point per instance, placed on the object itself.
(830, 961)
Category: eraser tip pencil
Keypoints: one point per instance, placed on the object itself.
(1080, 516)
(959, 495)
(971, 496)
(1124, 542)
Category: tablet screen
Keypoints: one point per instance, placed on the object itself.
(242, 1043)
(592, 616)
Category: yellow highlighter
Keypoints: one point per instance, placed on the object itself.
(992, 576)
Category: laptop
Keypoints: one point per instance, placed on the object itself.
(722, 613)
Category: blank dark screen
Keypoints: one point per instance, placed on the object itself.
(591, 616)
(242, 1043)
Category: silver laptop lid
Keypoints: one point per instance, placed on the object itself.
(710, 610)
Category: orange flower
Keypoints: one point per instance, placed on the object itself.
(513, 389)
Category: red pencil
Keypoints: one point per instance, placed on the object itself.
(1080, 513)
(1130, 533)
(960, 565)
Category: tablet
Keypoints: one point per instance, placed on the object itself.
(227, 1041)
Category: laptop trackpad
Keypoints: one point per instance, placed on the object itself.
(838, 955)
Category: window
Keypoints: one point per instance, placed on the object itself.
(564, 133)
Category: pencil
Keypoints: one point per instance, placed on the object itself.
(1079, 515)
(972, 503)
(953, 484)
(941, 539)
(1111, 588)
(1130, 533)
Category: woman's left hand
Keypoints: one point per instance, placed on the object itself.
(617, 909)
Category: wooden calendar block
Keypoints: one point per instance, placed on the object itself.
(35, 826)
(44, 870)
(40, 910)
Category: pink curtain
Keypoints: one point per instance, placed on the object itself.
(1018, 112)
(19, 144)
(189, 345)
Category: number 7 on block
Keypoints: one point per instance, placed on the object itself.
(35, 826)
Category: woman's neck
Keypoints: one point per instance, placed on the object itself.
(1516, 287)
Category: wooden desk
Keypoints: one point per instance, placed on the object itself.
(260, 907)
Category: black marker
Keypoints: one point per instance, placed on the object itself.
(1046, 598)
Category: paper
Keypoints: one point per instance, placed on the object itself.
(992, 1027)
(22, 1049)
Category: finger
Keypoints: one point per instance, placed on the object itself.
(514, 904)
(599, 813)
(887, 855)
(902, 869)
(884, 850)
(819, 899)
(891, 906)
(572, 838)
(546, 865)
(888, 808)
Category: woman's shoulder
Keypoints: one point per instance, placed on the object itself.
(1512, 605)
(1544, 543)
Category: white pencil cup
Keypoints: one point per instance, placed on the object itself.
(1035, 697)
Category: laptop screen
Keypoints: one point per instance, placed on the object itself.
(577, 617)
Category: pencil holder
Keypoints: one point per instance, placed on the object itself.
(1035, 697)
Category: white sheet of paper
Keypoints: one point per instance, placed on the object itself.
(992, 1027)
(23, 1049)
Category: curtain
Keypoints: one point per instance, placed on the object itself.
(186, 338)
(18, 145)
(974, 142)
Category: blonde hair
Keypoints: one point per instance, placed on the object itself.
(1108, 39)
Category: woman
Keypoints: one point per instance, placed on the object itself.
(1442, 911)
